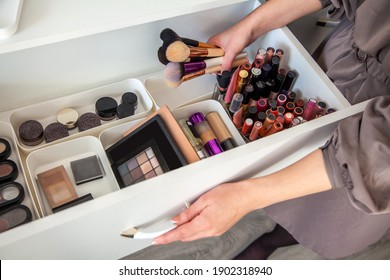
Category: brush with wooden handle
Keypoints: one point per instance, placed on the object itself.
(179, 52)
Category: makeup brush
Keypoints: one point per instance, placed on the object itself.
(170, 36)
(177, 79)
(150, 231)
(179, 52)
(181, 69)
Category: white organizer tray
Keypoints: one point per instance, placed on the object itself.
(83, 102)
(7, 133)
(62, 154)
(310, 82)
(114, 134)
(10, 11)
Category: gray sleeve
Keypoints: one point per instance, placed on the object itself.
(357, 157)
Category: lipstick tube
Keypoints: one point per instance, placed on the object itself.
(298, 111)
(290, 106)
(288, 117)
(262, 105)
(206, 134)
(255, 131)
(261, 56)
(242, 77)
(281, 99)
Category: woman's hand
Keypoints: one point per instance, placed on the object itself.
(212, 214)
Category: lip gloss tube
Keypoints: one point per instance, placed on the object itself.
(281, 100)
(269, 120)
(195, 142)
(276, 127)
(288, 117)
(310, 110)
(237, 118)
(262, 105)
(290, 106)
(236, 103)
(206, 134)
(298, 111)
(255, 131)
(242, 77)
(247, 127)
(223, 134)
(261, 55)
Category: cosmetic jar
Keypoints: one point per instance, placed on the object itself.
(106, 108)
(68, 117)
(88, 121)
(5, 149)
(11, 193)
(206, 134)
(14, 216)
(55, 131)
(31, 133)
(130, 98)
(125, 110)
(8, 171)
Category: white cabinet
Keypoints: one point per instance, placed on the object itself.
(63, 49)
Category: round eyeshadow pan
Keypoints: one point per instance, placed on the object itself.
(130, 98)
(88, 120)
(31, 133)
(55, 131)
(8, 171)
(5, 149)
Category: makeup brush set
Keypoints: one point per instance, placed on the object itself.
(186, 59)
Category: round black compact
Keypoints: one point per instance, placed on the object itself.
(11, 193)
(14, 216)
(106, 108)
(130, 98)
(5, 149)
(125, 110)
(8, 171)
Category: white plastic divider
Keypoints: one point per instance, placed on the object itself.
(46, 112)
(10, 11)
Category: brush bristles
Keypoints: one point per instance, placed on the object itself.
(130, 232)
(161, 55)
(174, 72)
(169, 36)
(177, 52)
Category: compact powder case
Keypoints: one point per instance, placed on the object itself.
(14, 216)
(5, 149)
(55, 131)
(8, 171)
(57, 186)
(130, 98)
(125, 110)
(88, 120)
(106, 108)
(11, 193)
(86, 169)
(68, 117)
(31, 133)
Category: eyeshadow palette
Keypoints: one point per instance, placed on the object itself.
(146, 152)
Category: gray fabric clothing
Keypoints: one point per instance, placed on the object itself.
(357, 55)
(356, 213)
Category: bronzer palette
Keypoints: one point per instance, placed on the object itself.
(146, 152)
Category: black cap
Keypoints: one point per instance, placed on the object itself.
(224, 79)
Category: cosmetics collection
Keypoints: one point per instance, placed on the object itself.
(32, 132)
(259, 97)
(58, 187)
(12, 212)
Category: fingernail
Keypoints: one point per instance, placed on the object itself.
(154, 242)
(174, 221)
